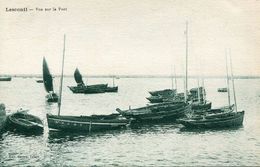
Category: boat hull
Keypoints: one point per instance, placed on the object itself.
(199, 106)
(52, 97)
(163, 92)
(112, 89)
(2, 117)
(20, 122)
(232, 119)
(5, 78)
(157, 113)
(99, 88)
(85, 123)
(155, 99)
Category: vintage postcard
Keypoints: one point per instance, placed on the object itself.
(129, 83)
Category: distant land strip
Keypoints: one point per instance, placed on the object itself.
(127, 76)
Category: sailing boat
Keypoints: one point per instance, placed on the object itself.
(113, 88)
(218, 118)
(83, 123)
(87, 89)
(47, 80)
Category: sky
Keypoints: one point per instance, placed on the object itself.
(130, 37)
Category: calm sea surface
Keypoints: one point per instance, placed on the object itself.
(149, 145)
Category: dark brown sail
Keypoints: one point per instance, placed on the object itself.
(47, 77)
(78, 77)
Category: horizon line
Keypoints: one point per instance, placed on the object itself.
(134, 76)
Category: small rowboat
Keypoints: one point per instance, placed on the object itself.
(21, 121)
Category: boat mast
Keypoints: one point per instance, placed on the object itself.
(232, 77)
(198, 93)
(61, 79)
(113, 81)
(186, 65)
(203, 89)
(175, 79)
(228, 90)
(172, 78)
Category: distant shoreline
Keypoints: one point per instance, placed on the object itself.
(128, 76)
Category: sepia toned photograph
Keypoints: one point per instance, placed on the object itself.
(130, 83)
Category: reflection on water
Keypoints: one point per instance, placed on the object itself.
(160, 144)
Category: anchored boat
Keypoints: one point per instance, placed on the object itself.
(83, 123)
(48, 85)
(21, 121)
(158, 112)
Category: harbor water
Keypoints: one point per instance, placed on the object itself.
(164, 144)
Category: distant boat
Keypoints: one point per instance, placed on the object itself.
(87, 89)
(222, 89)
(47, 78)
(112, 88)
(39, 81)
(5, 78)
(90, 89)
(158, 112)
(24, 122)
(83, 123)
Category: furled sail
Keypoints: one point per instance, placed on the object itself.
(47, 77)
(78, 77)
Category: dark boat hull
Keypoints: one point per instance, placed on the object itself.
(39, 81)
(201, 106)
(86, 123)
(53, 97)
(5, 78)
(22, 122)
(2, 117)
(157, 113)
(231, 119)
(222, 90)
(99, 88)
(155, 99)
(112, 89)
(162, 92)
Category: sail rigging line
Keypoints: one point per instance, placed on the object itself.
(186, 64)
(61, 79)
(175, 78)
(228, 89)
(232, 78)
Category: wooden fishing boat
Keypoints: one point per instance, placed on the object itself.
(155, 99)
(21, 121)
(87, 89)
(83, 123)
(48, 85)
(5, 78)
(204, 105)
(158, 112)
(163, 92)
(86, 123)
(219, 120)
(222, 89)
